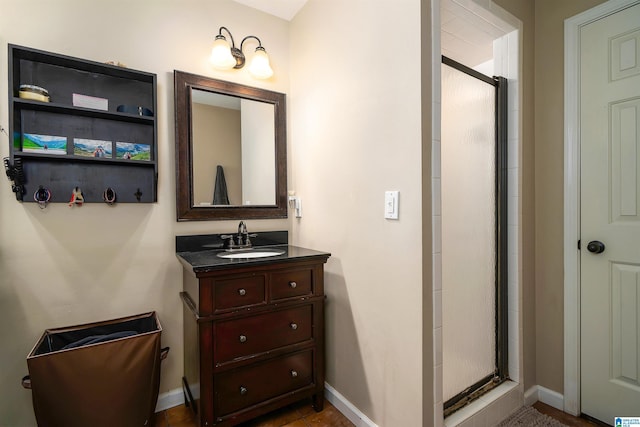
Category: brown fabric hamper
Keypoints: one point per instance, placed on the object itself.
(93, 383)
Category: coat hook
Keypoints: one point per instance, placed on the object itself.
(138, 194)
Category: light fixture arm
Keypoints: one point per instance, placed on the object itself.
(233, 44)
(251, 37)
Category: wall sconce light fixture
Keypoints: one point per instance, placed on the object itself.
(225, 57)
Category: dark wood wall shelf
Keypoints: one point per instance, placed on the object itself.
(133, 180)
(52, 107)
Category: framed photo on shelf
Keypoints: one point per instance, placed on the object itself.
(44, 144)
(132, 151)
(92, 148)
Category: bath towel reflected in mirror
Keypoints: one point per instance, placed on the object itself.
(220, 195)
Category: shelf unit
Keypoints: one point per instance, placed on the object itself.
(63, 76)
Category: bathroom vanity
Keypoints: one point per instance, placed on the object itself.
(253, 329)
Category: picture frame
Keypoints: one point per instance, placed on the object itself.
(44, 144)
(133, 151)
(95, 148)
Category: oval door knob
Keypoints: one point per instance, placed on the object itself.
(243, 338)
(293, 285)
(243, 390)
(595, 247)
(242, 292)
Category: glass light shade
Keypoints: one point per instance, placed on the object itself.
(221, 57)
(259, 67)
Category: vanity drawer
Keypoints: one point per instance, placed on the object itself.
(239, 292)
(291, 283)
(242, 388)
(257, 334)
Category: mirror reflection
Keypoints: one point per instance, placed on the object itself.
(233, 150)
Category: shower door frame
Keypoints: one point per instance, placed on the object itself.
(501, 372)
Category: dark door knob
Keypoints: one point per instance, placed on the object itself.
(595, 246)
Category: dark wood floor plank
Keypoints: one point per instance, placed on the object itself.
(296, 415)
(565, 418)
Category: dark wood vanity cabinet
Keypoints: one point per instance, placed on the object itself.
(253, 339)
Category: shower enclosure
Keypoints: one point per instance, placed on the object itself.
(474, 226)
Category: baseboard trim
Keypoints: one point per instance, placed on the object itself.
(347, 408)
(544, 395)
(551, 398)
(169, 399)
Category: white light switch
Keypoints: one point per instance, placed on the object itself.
(391, 204)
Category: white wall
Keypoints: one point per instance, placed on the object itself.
(63, 266)
(356, 131)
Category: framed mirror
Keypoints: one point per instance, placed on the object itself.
(231, 160)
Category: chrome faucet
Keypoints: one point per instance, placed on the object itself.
(243, 234)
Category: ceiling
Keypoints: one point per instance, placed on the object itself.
(285, 9)
(467, 36)
(467, 32)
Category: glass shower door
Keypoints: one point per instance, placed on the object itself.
(471, 234)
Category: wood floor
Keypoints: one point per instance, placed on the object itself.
(302, 415)
(297, 415)
(564, 418)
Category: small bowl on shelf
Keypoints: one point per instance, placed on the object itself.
(34, 93)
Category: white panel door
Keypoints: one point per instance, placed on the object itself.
(610, 214)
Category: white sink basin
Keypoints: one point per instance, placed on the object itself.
(250, 254)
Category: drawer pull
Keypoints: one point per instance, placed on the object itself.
(243, 390)
(294, 374)
(242, 292)
(243, 338)
(293, 285)
(294, 326)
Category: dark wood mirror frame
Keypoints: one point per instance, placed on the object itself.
(184, 82)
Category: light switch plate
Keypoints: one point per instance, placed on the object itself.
(391, 204)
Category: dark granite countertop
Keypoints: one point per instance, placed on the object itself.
(208, 260)
(199, 253)
(203, 242)
(204, 260)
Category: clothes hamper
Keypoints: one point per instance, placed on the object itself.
(99, 374)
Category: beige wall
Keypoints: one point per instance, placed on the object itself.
(543, 104)
(356, 131)
(62, 266)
